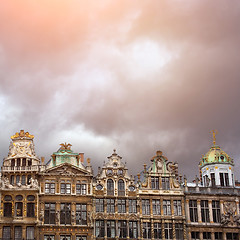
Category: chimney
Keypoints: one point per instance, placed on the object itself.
(81, 157)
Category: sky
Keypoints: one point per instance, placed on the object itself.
(135, 76)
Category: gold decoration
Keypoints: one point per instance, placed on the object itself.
(65, 146)
(214, 132)
(22, 134)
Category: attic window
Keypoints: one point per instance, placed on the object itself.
(115, 164)
(222, 158)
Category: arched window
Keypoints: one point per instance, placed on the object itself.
(121, 188)
(110, 187)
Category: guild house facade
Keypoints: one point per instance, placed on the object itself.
(63, 199)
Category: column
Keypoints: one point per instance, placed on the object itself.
(212, 236)
(173, 229)
(199, 210)
(221, 207)
(237, 203)
(163, 230)
(210, 211)
(201, 235)
(187, 211)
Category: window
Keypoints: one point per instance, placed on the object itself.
(216, 211)
(12, 163)
(177, 204)
(65, 213)
(145, 207)
(133, 229)
(18, 233)
(65, 188)
(81, 214)
(155, 182)
(7, 209)
(165, 183)
(121, 188)
(195, 235)
(179, 231)
(147, 230)
(18, 162)
(121, 205)
(24, 162)
(232, 236)
(18, 209)
(17, 179)
(218, 236)
(193, 211)
(100, 228)
(12, 180)
(167, 207)
(79, 237)
(132, 206)
(23, 179)
(81, 189)
(206, 236)
(157, 230)
(50, 213)
(28, 179)
(110, 205)
(226, 178)
(122, 229)
(65, 237)
(99, 205)
(204, 211)
(6, 234)
(49, 187)
(168, 231)
(30, 233)
(111, 229)
(30, 209)
(156, 207)
(49, 237)
(110, 187)
(212, 175)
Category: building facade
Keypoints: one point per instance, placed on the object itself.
(63, 200)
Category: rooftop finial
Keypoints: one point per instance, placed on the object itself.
(214, 132)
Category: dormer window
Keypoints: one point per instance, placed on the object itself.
(110, 187)
(131, 188)
(165, 183)
(115, 164)
(120, 172)
(109, 172)
(99, 187)
(65, 188)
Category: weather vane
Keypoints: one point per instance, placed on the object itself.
(214, 132)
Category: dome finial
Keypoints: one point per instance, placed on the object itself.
(214, 132)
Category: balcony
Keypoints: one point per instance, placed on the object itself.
(20, 168)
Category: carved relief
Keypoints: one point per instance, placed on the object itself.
(229, 217)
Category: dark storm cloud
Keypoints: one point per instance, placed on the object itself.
(72, 73)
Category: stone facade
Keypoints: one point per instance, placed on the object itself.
(63, 200)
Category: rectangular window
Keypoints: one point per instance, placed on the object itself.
(80, 237)
(193, 211)
(167, 207)
(168, 231)
(100, 228)
(218, 236)
(177, 207)
(6, 233)
(49, 187)
(111, 229)
(30, 233)
(7, 209)
(206, 236)
(132, 206)
(65, 213)
(23, 179)
(195, 235)
(121, 206)
(213, 182)
(226, 178)
(179, 231)
(216, 211)
(145, 207)
(99, 205)
(147, 230)
(205, 211)
(49, 213)
(12, 180)
(30, 210)
(165, 183)
(18, 233)
(155, 182)
(18, 209)
(156, 207)
(122, 229)
(232, 236)
(81, 214)
(157, 230)
(49, 237)
(110, 205)
(65, 237)
(133, 229)
(221, 179)
(65, 188)
(81, 189)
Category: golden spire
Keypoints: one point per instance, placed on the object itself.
(214, 132)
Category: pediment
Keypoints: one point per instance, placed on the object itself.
(66, 169)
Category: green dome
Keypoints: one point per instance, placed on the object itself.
(215, 155)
